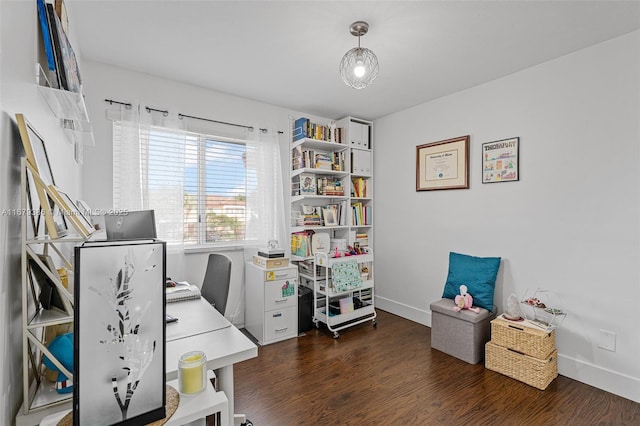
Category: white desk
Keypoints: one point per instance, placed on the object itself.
(199, 327)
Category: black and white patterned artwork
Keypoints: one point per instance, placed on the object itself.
(119, 333)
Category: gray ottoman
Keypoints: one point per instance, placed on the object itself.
(460, 334)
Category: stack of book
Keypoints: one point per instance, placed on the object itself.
(309, 220)
(330, 186)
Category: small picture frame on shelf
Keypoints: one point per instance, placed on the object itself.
(329, 216)
(77, 218)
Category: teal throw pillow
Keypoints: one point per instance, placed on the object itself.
(477, 273)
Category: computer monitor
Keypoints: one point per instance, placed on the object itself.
(131, 225)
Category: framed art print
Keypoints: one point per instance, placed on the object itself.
(500, 161)
(119, 333)
(443, 165)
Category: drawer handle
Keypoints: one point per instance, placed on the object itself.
(281, 300)
(281, 329)
(282, 274)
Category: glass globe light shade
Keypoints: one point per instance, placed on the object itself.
(359, 67)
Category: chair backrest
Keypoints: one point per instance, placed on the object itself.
(217, 278)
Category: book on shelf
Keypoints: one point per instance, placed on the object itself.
(301, 243)
(328, 185)
(309, 220)
(57, 49)
(297, 160)
(304, 128)
(182, 291)
(46, 31)
(323, 161)
(359, 187)
(360, 214)
(68, 71)
(301, 128)
(362, 239)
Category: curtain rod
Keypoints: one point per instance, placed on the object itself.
(126, 104)
(181, 116)
(250, 128)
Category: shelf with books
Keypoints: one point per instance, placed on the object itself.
(60, 84)
(331, 202)
(307, 155)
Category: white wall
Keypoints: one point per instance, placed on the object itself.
(19, 94)
(570, 224)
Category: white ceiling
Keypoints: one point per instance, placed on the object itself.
(287, 53)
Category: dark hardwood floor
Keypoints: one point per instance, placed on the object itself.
(389, 375)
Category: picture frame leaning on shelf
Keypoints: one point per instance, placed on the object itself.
(40, 169)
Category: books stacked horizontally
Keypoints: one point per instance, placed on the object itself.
(270, 258)
(182, 290)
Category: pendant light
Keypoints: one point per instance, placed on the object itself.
(359, 66)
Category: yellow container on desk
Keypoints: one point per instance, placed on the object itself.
(192, 373)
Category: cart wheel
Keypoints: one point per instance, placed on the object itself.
(318, 324)
(374, 323)
(336, 335)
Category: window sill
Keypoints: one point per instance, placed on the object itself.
(211, 249)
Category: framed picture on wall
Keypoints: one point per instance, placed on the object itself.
(119, 333)
(443, 164)
(500, 161)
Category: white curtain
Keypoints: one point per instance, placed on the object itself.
(132, 167)
(265, 208)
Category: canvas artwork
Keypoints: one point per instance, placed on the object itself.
(119, 333)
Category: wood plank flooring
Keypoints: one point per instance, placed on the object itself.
(389, 375)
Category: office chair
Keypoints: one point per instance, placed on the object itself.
(217, 278)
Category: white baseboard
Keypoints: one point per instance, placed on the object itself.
(601, 378)
(405, 311)
(592, 375)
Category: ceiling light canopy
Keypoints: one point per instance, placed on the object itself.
(359, 66)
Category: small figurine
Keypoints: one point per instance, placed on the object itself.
(336, 252)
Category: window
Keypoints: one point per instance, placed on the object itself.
(197, 184)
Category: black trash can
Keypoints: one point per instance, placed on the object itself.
(305, 307)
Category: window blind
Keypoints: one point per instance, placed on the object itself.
(196, 183)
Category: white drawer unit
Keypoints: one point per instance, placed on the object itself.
(271, 303)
